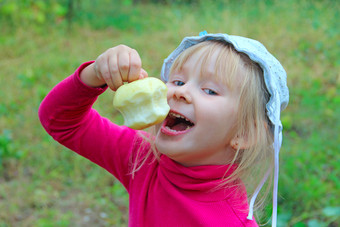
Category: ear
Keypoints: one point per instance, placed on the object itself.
(240, 143)
(243, 142)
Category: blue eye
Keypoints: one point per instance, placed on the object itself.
(209, 91)
(178, 83)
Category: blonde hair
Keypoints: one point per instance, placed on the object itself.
(252, 123)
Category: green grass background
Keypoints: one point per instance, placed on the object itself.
(44, 184)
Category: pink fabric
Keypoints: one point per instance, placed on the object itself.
(162, 193)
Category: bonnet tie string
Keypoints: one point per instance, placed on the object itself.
(257, 190)
(277, 145)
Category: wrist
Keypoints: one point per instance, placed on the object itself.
(88, 77)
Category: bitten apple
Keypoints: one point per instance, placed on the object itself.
(142, 102)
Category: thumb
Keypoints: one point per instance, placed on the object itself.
(143, 74)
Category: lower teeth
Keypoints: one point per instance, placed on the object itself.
(176, 130)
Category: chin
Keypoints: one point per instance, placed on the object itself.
(162, 148)
(158, 144)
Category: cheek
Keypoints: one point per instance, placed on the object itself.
(158, 126)
(222, 119)
(230, 122)
(157, 131)
(170, 92)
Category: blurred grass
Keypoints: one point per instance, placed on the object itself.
(43, 184)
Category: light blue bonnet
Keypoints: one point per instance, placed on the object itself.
(275, 79)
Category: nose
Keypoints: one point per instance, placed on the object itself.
(183, 93)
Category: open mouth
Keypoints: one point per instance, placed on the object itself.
(177, 123)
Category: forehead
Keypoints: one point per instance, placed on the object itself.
(216, 61)
(200, 61)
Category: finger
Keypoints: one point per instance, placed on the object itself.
(117, 81)
(97, 66)
(135, 66)
(116, 78)
(124, 65)
(103, 70)
(96, 69)
(98, 76)
(143, 74)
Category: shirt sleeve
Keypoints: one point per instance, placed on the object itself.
(67, 115)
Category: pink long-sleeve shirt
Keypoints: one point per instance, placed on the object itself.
(162, 193)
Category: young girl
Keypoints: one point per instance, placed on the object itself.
(225, 94)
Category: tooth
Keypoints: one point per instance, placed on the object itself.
(170, 129)
(175, 115)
